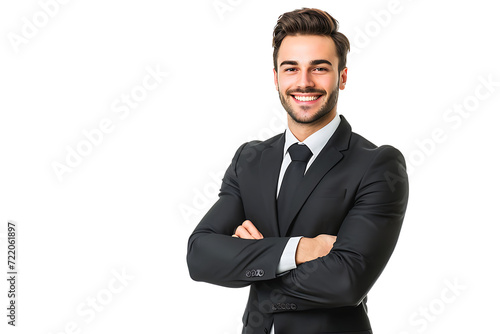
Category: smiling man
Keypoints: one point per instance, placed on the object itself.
(308, 218)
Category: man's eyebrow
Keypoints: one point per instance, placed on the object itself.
(320, 61)
(289, 62)
(312, 62)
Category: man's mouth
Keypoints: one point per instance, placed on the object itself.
(306, 98)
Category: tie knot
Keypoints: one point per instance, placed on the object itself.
(299, 152)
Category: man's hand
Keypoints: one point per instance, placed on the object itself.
(247, 230)
(310, 249)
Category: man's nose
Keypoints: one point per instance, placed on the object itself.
(305, 79)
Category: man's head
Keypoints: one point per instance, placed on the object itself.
(309, 64)
(310, 21)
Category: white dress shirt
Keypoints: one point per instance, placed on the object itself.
(315, 142)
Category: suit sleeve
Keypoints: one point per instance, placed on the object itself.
(365, 242)
(215, 257)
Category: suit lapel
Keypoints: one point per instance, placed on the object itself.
(270, 165)
(326, 160)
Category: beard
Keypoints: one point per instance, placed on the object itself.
(324, 109)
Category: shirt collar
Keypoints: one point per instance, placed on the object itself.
(317, 140)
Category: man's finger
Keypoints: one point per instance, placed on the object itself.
(241, 232)
(252, 229)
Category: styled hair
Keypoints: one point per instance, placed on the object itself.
(310, 21)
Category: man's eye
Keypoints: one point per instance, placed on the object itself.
(321, 69)
(291, 69)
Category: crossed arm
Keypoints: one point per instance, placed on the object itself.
(308, 249)
(325, 276)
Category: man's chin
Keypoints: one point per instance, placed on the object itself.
(307, 117)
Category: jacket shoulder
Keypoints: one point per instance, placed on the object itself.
(360, 143)
(256, 147)
(264, 143)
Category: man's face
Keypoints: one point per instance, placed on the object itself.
(307, 78)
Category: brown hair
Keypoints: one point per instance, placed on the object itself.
(309, 21)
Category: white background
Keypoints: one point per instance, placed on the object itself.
(131, 203)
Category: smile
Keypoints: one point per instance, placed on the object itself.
(306, 98)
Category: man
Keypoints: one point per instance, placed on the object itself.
(308, 218)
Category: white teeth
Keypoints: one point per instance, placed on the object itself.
(306, 98)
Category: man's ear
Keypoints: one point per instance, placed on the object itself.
(276, 79)
(343, 78)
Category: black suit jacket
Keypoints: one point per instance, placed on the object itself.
(354, 190)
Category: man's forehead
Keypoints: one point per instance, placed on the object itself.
(307, 48)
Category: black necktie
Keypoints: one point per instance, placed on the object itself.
(300, 155)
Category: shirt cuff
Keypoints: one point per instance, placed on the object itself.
(287, 261)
